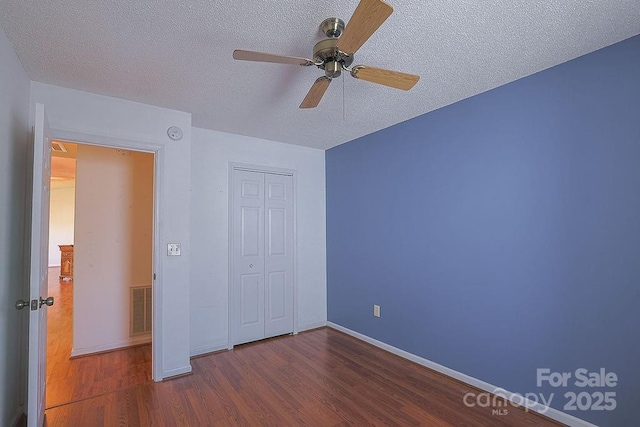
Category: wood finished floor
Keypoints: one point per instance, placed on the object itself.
(70, 380)
(317, 378)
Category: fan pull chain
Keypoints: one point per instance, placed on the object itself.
(343, 98)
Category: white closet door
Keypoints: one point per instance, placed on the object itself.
(248, 263)
(263, 255)
(278, 255)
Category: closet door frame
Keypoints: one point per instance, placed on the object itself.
(271, 170)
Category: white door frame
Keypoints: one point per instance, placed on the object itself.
(158, 151)
(277, 171)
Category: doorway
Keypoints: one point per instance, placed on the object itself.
(99, 330)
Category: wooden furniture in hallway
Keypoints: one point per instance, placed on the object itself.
(66, 261)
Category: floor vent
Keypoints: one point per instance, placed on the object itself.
(141, 298)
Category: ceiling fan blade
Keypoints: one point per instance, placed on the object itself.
(316, 93)
(366, 19)
(248, 55)
(389, 78)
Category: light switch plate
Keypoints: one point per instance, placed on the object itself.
(173, 249)
(376, 310)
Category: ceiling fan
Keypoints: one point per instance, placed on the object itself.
(335, 53)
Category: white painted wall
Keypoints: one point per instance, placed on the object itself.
(122, 122)
(202, 168)
(113, 245)
(61, 212)
(211, 153)
(14, 121)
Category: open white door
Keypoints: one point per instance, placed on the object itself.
(38, 276)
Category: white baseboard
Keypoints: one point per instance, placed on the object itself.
(310, 326)
(225, 345)
(145, 339)
(209, 348)
(552, 413)
(166, 375)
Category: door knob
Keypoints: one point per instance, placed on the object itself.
(20, 304)
(48, 302)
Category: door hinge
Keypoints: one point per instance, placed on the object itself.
(154, 276)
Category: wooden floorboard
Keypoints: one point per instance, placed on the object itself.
(316, 378)
(70, 380)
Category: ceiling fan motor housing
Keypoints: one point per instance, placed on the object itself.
(331, 60)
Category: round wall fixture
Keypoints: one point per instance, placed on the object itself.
(175, 133)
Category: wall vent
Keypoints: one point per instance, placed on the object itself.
(141, 312)
(58, 146)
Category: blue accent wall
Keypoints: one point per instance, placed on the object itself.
(501, 234)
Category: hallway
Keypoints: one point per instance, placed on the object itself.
(72, 380)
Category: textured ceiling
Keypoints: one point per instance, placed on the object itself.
(178, 55)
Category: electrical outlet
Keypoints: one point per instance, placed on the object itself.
(376, 310)
(173, 249)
